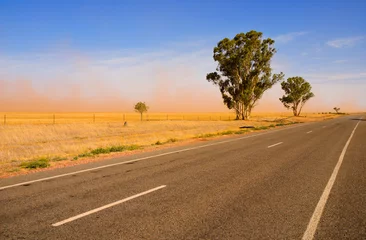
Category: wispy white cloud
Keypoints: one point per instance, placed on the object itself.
(340, 61)
(336, 76)
(304, 54)
(285, 38)
(344, 42)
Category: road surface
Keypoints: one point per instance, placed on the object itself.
(304, 181)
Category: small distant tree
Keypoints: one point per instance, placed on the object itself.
(141, 107)
(336, 109)
(297, 93)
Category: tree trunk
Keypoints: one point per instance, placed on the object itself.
(294, 110)
(248, 113)
(141, 116)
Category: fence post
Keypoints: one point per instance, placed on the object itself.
(5, 119)
(54, 119)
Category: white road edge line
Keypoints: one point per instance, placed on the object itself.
(149, 157)
(315, 218)
(106, 206)
(310, 132)
(274, 144)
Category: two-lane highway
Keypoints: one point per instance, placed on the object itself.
(265, 185)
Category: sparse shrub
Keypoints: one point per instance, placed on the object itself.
(229, 132)
(120, 148)
(133, 147)
(38, 163)
(261, 128)
(117, 149)
(207, 135)
(100, 151)
(85, 155)
(57, 159)
(172, 140)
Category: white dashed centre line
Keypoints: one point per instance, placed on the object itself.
(106, 206)
(310, 132)
(274, 144)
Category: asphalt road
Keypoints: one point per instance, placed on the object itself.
(266, 185)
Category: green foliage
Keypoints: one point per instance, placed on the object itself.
(57, 159)
(261, 128)
(106, 150)
(121, 148)
(229, 132)
(297, 93)
(37, 163)
(100, 151)
(207, 135)
(241, 131)
(244, 73)
(141, 107)
(87, 154)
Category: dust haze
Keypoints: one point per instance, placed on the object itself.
(168, 81)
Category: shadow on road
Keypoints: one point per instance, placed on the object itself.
(358, 119)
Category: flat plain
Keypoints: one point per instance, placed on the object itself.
(63, 139)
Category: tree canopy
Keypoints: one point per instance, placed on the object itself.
(141, 107)
(244, 71)
(297, 93)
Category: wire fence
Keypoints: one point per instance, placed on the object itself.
(69, 118)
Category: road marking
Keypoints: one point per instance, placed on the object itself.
(149, 157)
(274, 144)
(315, 218)
(106, 206)
(310, 132)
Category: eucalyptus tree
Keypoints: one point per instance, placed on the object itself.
(297, 93)
(244, 71)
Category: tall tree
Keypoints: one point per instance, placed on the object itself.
(336, 109)
(297, 93)
(141, 107)
(244, 71)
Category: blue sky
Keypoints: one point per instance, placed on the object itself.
(127, 50)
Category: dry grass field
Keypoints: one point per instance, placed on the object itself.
(32, 140)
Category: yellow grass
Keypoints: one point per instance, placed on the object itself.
(28, 136)
(14, 118)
